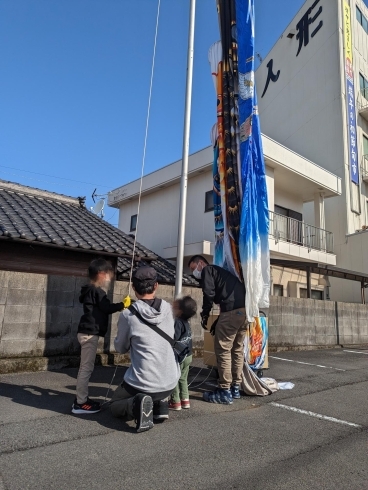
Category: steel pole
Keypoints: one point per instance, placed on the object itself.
(185, 157)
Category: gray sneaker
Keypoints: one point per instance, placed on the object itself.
(143, 412)
(161, 410)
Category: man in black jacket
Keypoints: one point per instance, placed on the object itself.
(221, 287)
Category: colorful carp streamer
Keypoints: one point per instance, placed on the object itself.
(240, 192)
(257, 343)
(223, 61)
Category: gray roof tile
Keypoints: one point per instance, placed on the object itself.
(31, 214)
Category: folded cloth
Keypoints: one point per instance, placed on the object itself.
(254, 386)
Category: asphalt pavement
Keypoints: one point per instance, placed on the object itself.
(311, 437)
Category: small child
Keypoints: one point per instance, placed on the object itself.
(183, 309)
(93, 324)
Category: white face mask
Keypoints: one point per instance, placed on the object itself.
(196, 273)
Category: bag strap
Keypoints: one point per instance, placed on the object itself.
(155, 328)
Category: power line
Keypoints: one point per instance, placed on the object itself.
(55, 177)
(113, 214)
(18, 176)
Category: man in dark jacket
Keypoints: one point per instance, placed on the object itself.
(221, 287)
(93, 324)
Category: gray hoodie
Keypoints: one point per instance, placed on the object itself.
(153, 364)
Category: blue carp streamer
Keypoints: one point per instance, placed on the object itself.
(254, 221)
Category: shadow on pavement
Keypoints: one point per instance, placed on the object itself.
(60, 402)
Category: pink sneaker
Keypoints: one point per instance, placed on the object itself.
(185, 404)
(174, 405)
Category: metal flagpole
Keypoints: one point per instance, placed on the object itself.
(184, 170)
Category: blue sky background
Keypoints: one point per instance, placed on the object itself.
(74, 87)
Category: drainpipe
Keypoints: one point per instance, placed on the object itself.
(337, 323)
(309, 288)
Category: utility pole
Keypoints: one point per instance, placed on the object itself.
(185, 157)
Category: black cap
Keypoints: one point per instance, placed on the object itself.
(145, 274)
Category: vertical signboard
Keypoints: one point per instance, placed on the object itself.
(350, 96)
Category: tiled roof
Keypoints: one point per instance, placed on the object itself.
(165, 270)
(31, 214)
(54, 219)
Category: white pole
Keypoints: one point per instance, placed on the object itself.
(184, 170)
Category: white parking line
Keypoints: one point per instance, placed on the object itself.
(316, 415)
(356, 352)
(306, 363)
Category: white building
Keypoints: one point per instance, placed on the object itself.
(292, 181)
(309, 106)
(313, 100)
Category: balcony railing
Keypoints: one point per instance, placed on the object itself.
(364, 167)
(291, 230)
(362, 102)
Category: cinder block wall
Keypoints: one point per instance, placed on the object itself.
(305, 322)
(39, 316)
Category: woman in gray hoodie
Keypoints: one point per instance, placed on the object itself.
(154, 370)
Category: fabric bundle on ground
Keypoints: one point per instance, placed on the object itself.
(254, 386)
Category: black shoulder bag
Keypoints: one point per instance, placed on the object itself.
(181, 349)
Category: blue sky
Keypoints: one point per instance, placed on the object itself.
(74, 87)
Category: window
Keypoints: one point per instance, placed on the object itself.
(288, 212)
(278, 290)
(288, 229)
(315, 294)
(208, 202)
(361, 18)
(365, 24)
(365, 145)
(359, 15)
(363, 84)
(133, 222)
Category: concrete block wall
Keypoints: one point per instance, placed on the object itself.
(352, 323)
(305, 322)
(39, 316)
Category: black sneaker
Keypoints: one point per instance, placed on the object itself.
(143, 412)
(88, 406)
(161, 410)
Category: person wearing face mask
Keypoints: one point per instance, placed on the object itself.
(93, 324)
(222, 288)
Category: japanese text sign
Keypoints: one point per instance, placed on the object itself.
(350, 98)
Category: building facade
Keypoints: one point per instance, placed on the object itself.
(313, 98)
(292, 181)
(313, 101)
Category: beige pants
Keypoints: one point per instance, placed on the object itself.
(88, 356)
(229, 346)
